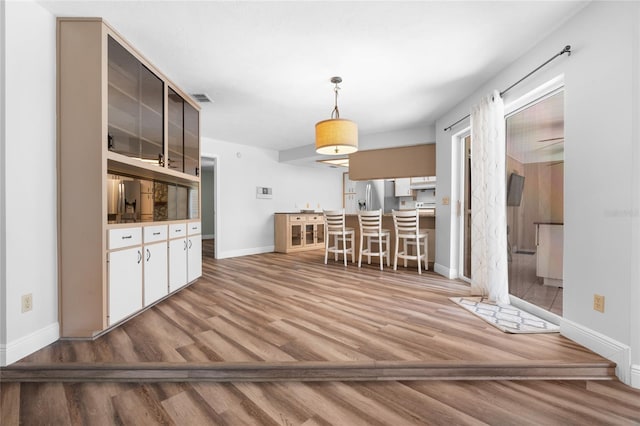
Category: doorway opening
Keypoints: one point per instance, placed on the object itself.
(535, 201)
(208, 212)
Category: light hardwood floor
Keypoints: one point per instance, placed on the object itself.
(277, 308)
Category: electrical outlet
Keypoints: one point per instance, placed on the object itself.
(598, 303)
(445, 201)
(27, 303)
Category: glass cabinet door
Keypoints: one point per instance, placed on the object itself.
(176, 131)
(320, 233)
(296, 235)
(191, 140)
(135, 107)
(309, 234)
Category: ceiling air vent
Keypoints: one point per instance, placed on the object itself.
(201, 97)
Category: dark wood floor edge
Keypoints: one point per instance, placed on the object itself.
(300, 365)
(300, 373)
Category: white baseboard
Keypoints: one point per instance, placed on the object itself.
(18, 349)
(445, 271)
(245, 252)
(602, 345)
(635, 376)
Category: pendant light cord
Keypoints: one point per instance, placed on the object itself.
(335, 111)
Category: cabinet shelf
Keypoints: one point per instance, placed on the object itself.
(122, 164)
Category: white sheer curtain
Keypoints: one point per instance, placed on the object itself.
(489, 273)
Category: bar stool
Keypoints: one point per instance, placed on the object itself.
(334, 225)
(407, 227)
(371, 228)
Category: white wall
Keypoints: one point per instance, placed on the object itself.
(601, 177)
(29, 208)
(3, 227)
(245, 223)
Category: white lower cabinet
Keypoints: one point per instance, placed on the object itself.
(125, 283)
(177, 263)
(156, 281)
(185, 254)
(194, 251)
(155, 272)
(147, 263)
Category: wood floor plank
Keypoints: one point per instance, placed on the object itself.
(9, 403)
(90, 403)
(139, 406)
(46, 398)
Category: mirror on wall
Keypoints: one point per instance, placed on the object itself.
(143, 200)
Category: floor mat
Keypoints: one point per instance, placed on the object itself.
(507, 318)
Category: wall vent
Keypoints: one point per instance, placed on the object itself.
(201, 97)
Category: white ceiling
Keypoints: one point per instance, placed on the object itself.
(267, 64)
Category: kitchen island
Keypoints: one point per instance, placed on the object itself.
(305, 231)
(427, 221)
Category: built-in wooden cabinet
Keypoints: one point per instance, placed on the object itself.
(298, 232)
(128, 156)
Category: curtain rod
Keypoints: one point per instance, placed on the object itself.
(566, 49)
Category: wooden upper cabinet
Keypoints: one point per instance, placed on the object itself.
(136, 107)
(184, 135)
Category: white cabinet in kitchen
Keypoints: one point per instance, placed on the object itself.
(349, 196)
(156, 283)
(194, 251)
(124, 273)
(403, 187)
(549, 253)
(185, 254)
(350, 203)
(177, 256)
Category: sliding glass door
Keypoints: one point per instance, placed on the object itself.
(535, 201)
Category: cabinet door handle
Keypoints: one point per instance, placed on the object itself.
(148, 255)
(185, 244)
(127, 237)
(156, 233)
(190, 243)
(139, 256)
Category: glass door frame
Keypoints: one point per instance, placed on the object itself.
(459, 141)
(540, 93)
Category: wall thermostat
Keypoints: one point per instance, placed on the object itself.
(264, 192)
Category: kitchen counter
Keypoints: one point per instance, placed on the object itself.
(427, 221)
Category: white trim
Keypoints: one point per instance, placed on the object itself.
(541, 92)
(445, 271)
(602, 345)
(245, 252)
(28, 344)
(535, 310)
(635, 376)
(216, 202)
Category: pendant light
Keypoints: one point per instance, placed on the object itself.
(336, 136)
